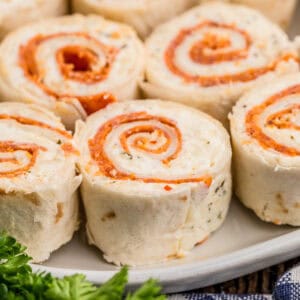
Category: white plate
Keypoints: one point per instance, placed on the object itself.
(243, 245)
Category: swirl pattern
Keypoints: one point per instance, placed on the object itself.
(38, 177)
(76, 63)
(282, 120)
(215, 48)
(19, 157)
(9, 161)
(156, 177)
(154, 135)
(73, 65)
(211, 55)
(265, 136)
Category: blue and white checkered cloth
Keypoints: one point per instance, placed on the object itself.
(287, 288)
(219, 297)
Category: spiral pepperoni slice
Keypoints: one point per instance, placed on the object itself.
(137, 137)
(37, 122)
(215, 48)
(75, 62)
(280, 120)
(10, 148)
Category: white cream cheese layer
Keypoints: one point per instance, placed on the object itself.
(73, 65)
(38, 181)
(266, 141)
(209, 56)
(156, 179)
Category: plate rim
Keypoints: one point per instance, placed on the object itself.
(201, 273)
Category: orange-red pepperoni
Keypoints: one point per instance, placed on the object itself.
(10, 147)
(211, 50)
(142, 143)
(168, 188)
(214, 43)
(75, 62)
(94, 103)
(107, 167)
(69, 149)
(28, 121)
(280, 120)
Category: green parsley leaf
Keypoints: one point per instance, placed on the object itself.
(18, 282)
(149, 291)
(113, 289)
(70, 288)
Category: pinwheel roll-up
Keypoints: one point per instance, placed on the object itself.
(208, 57)
(38, 181)
(15, 13)
(278, 11)
(143, 15)
(73, 65)
(156, 179)
(266, 139)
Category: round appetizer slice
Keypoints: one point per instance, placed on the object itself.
(278, 11)
(15, 13)
(38, 181)
(266, 138)
(72, 65)
(143, 15)
(156, 181)
(209, 56)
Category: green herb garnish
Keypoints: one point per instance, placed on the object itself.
(19, 282)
